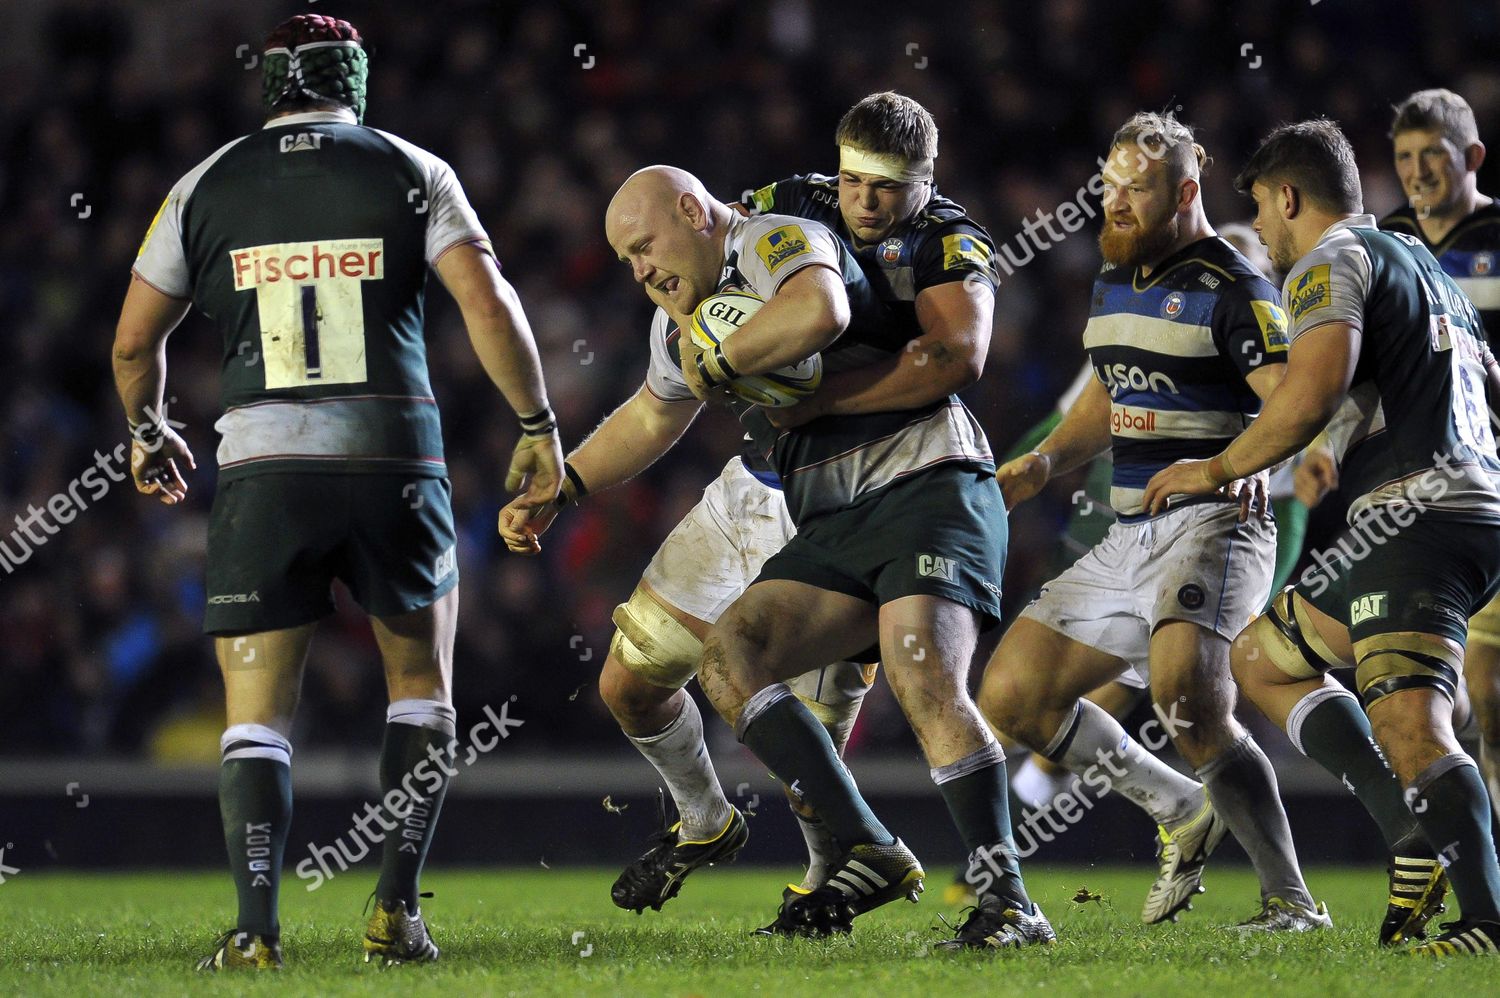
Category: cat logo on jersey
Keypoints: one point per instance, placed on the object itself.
(961, 251)
(1313, 289)
(780, 245)
(1272, 325)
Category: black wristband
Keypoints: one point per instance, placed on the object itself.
(723, 363)
(577, 480)
(574, 479)
(708, 379)
(539, 423)
(147, 433)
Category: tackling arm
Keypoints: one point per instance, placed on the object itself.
(956, 320)
(807, 313)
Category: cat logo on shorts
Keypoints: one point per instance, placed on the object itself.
(1191, 596)
(1369, 607)
(931, 566)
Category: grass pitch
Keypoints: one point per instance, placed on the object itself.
(513, 932)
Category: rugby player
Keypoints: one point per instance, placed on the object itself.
(719, 547)
(1185, 339)
(899, 526)
(1438, 155)
(1388, 354)
(305, 245)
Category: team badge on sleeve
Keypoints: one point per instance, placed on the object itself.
(962, 252)
(152, 227)
(1312, 290)
(780, 245)
(1272, 325)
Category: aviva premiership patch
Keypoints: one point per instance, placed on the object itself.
(780, 245)
(1312, 290)
(152, 227)
(1272, 325)
(961, 252)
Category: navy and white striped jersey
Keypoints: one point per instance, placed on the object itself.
(1470, 254)
(1174, 350)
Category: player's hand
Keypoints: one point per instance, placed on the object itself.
(689, 351)
(1185, 478)
(1315, 477)
(155, 466)
(1023, 478)
(521, 523)
(1253, 494)
(791, 416)
(536, 466)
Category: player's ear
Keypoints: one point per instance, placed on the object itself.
(1473, 156)
(692, 210)
(1289, 201)
(1187, 193)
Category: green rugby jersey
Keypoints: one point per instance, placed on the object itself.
(308, 244)
(1414, 429)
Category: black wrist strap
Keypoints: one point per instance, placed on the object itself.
(148, 433)
(539, 423)
(576, 480)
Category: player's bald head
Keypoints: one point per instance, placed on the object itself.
(666, 226)
(652, 194)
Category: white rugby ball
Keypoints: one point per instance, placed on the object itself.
(718, 316)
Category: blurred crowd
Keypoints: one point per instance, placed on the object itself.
(543, 108)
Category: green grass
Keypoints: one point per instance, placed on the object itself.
(511, 931)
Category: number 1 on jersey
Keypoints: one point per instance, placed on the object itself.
(310, 331)
(309, 300)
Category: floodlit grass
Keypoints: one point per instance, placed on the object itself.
(513, 931)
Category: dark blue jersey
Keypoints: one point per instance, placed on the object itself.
(1174, 350)
(941, 244)
(1470, 254)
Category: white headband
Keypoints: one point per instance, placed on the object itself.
(883, 165)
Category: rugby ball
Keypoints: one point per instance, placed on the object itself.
(718, 316)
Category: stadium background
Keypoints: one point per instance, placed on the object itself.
(110, 703)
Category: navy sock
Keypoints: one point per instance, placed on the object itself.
(1450, 803)
(976, 792)
(255, 802)
(785, 735)
(412, 760)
